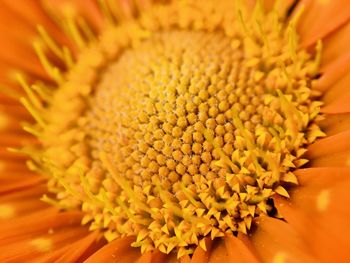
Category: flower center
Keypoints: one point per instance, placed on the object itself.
(183, 134)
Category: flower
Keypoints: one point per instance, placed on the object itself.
(174, 131)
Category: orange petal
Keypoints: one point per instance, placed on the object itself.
(219, 252)
(16, 41)
(33, 247)
(15, 111)
(158, 257)
(8, 184)
(119, 250)
(145, 258)
(312, 26)
(276, 241)
(340, 105)
(332, 160)
(332, 72)
(238, 251)
(73, 252)
(17, 140)
(81, 249)
(335, 123)
(185, 259)
(36, 223)
(171, 258)
(200, 255)
(24, 29)
(322, 176)
(341, 81)
(39, 232)
(21, 202)
(30, 13)
(336, 44)
(19, 58)
(317, 211)
(329, 145)
(330, 151)
(12, 167)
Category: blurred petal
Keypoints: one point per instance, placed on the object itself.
(312, 26)
(41, 232)
(219, 252)
(119, 250)
(330, 151)
(145, 258)
(335, 82)
(336, 44)
(317, 211)
(239, 251)
(200, 255)
(276, 241)
(333, 72)
(335, 123)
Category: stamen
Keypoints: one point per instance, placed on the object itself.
(50, 42)
(53, 71)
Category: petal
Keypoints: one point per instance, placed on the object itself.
(336, 83)
(276, 241)
(75, 252)
(332, 160)
(329, 145)
(21, 202)
(335, 123)
(200, 255)
(333, 72)
(119, 250)
(33, 248)
(312, 26)
(185, 259)
(330, 151)
(336, 44)
(158, 257)
(35, 223)
(239, 251)
(39, 233)
(341, 105)
(21, 181)
(171, 258)
(317, 211)
(145, 258)
(219, 252)
(16, 39)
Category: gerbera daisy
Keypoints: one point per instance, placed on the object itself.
(174, 131)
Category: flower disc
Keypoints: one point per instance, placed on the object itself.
(175, 127)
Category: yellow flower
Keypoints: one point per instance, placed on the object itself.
(174, 131)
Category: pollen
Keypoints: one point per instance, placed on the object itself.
(178, 125)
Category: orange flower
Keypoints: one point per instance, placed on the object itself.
(174, 131)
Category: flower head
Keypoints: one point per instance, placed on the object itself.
(179, 129)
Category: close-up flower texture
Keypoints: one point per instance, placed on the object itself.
(155, 131)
